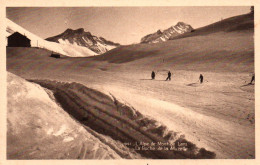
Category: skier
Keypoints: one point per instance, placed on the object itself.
(201, 78)
(153, 75)
(253, 79)
(169, 76)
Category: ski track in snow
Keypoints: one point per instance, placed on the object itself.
(211, 133)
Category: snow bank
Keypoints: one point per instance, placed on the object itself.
(38, 128)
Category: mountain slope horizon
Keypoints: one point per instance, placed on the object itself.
(222, 49)
(232, 24)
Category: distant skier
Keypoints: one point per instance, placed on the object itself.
(201, 78)
(169, 76)
(253, 79)
(153, 75)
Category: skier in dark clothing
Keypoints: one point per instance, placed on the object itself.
(253, 79)
(169, 76)
(201, 78)
(153, 75)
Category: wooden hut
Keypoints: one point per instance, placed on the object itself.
(18, 40)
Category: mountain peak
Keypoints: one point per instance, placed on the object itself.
(84, 39)
(181, 23)
(68, 30)
(80, 30)
(159, 32)
(161, 36)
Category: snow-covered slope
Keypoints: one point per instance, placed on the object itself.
(84, 39)
(62, 48)
(105, 127)
(38, 128)
(242, 24)
(159, 36)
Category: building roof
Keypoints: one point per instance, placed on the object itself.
(17, 34)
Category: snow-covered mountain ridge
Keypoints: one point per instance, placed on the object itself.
(161, 36)
(79, 37)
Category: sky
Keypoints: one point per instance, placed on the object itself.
(124, 25)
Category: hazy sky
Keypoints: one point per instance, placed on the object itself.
(124, 25)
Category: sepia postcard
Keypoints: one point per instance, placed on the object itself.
(129, 82)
